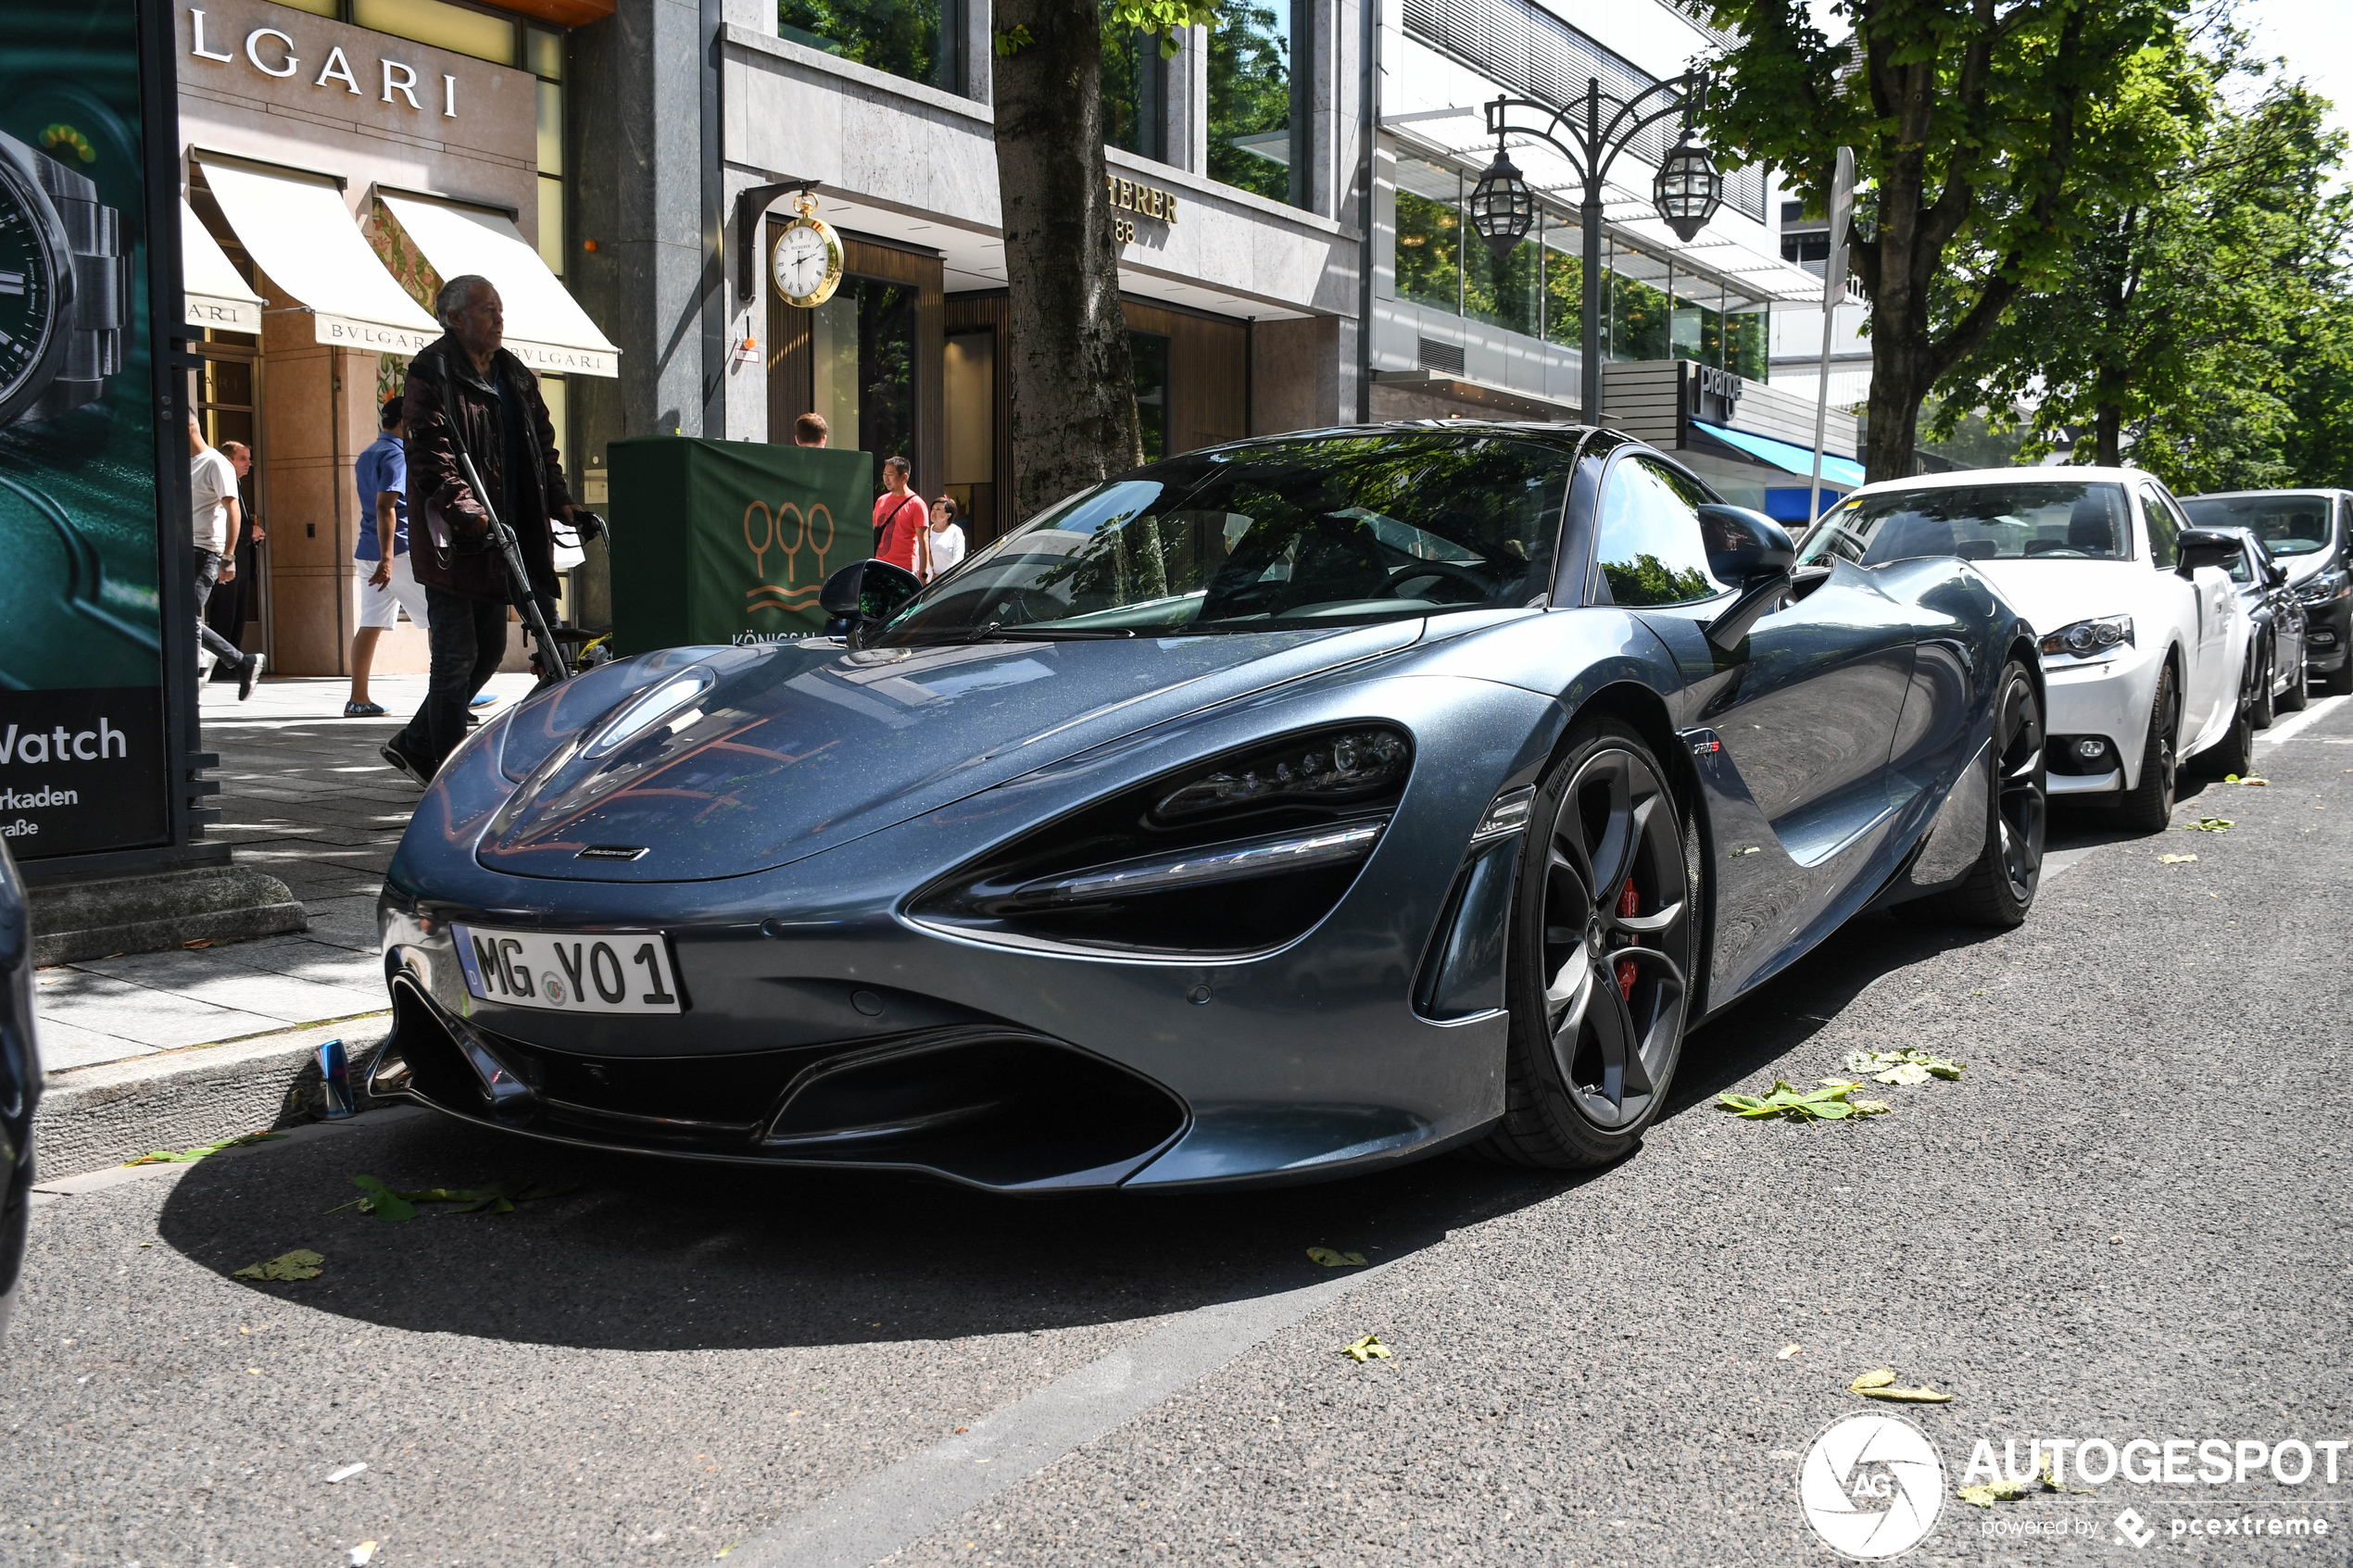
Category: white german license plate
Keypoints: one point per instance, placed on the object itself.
(626, 972)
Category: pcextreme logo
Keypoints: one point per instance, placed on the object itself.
(1871, 1486)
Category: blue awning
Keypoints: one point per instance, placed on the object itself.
(1788, 457)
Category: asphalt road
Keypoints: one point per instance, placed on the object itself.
(2127, 1220)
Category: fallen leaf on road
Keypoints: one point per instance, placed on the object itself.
(1752, 849)
(1332, 1259)
(2250, 779)
(1907, 1395)
(190, 1156)
(199, 942)
(381, 1200)
(1366, 1349)
(300, 1263)
(2210, 824)
(1993, 1492)
(1786, 1351)
(1903, 1067)
(1829, 1103)
(2175, 860)
(336, 1479)
(363, 1554)
(1869, 1380)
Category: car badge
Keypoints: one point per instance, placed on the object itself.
(612, 852)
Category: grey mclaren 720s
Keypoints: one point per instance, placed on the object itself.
(1278, 810)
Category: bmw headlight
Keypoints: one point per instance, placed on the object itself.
(2328, 585)
(1240, 853)
(2085, 638)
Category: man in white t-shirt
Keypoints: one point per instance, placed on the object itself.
(212, 496)
(942, 548)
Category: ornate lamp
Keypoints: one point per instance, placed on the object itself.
(1501, 207)
(1688, 189)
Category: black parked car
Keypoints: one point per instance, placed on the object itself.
(2310, 533)
(2275, 635)
(19, 1080)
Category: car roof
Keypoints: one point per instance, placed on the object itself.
(2067, 474)
(2248, 494)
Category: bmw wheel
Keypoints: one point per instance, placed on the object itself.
(2148, 806)
(1604, 951)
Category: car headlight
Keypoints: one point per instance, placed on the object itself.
(2085, 638)
(1156, 869)
(2327, 586)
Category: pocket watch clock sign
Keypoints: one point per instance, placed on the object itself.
(806, 260)
(65, 287)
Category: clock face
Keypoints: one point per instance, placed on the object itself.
(806, 264)
(28, 290)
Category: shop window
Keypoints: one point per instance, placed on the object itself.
(1563, 300)
(1149, 351)
(861, 345)
(1258, 76)
(1500, 293)
(317, 8)
(458, 29)
(968, 402)
(917, 39)
(1135, 91)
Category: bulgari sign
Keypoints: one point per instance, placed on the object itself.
(288, 61)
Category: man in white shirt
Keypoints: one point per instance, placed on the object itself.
(212, 495)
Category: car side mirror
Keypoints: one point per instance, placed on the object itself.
(2195, 547)
(862, 596)
(1753, 553)
(2275, 574)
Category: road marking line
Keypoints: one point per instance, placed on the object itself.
(926, 1492)
(2058, 860)
(2286, 729)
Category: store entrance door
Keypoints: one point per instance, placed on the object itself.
(226, 393)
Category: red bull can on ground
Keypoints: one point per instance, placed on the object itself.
(334, 1074)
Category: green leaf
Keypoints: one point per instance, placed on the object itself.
(300, 1263)
(1012, 40)
(1332, 1259)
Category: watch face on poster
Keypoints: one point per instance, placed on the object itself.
(806, 262)
(27, 294)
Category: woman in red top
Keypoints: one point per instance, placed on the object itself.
(900, 518)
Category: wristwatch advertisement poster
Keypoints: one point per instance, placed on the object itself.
(83, 766)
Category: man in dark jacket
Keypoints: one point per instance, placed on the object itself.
(466, 389)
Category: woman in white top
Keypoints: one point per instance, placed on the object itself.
(942, 546)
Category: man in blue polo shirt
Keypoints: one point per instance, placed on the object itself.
(383, 475)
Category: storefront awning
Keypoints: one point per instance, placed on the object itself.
(1786, 456)
(211, 291)
(301, 235)
(546, 328)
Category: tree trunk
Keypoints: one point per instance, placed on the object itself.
(1071, 388)
(2107, 434)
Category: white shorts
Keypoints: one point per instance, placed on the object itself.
(376, 604)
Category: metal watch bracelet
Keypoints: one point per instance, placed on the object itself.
(101, 290)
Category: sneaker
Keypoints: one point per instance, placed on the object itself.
(247, 674)
(484, 700)
(364, 709)
(398, 761)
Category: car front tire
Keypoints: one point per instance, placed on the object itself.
(2148, 806)
(1605, 948)
(2000, 888)
(2299, 690)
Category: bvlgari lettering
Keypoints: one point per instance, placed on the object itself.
(275, 54)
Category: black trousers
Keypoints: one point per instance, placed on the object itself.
(467, 638)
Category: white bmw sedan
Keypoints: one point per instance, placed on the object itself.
(2143, 637)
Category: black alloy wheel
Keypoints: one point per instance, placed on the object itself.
(1604, 947)
(2000, 887)
(2148, 806)
(2234, 753)
(2262, 712)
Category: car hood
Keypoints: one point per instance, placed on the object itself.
(802, 746)
(2056, 593)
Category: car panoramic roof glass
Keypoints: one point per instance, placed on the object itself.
(1274, 536)
(2081, 521)
(2288, 525)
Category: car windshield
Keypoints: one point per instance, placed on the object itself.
(2046, 520)
(1274, 536)
(2288, 525)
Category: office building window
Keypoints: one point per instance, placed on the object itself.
(461, 30)
(861, 345)
(1135, 91)
(1430, 234)
(1259, 77)
(921, 40)
(1809, 251)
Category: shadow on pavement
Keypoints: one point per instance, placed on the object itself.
(656, 1254)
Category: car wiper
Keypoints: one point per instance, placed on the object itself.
(994, 633)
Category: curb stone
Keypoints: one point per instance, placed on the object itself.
(95, 1117)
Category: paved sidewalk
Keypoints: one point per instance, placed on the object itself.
(305, 797)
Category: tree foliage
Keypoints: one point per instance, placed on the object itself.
(1968, 121)
(2185, 320)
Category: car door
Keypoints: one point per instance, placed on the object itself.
(2206, 609)
(1804, 711)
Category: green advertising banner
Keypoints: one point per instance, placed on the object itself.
(730, 541)
(82, 760)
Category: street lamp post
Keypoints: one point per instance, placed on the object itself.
(1590, 134)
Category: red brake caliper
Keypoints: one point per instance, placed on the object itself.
(1628, 906)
